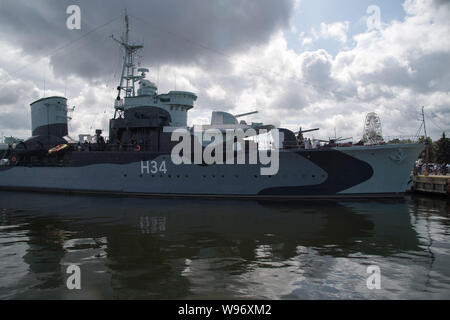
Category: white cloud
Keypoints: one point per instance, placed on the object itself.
(216, 92)
(336, 31)
(392, 71)
(306, 41)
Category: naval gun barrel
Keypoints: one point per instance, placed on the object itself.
(245, 114)
(309, 130)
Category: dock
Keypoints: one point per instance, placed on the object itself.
(439, 185)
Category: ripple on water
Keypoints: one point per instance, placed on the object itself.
(167, 249)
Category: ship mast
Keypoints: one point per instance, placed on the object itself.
(128, 78)
(427, 145)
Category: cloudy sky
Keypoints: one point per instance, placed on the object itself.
(308, 63)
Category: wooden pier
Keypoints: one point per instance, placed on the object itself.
(432, 184)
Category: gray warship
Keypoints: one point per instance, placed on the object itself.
(137, 157)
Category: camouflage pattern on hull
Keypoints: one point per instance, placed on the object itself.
(318, 173)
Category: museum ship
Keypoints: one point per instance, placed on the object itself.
(136, 158)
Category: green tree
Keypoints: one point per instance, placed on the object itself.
(432, 148)
(422, 140)
(442, 154)
(394, 141)
(398, 141)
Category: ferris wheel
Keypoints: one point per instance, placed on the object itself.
(372, 129)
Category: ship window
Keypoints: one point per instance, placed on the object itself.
(164, 99)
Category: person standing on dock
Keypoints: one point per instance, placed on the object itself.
(300, 138)
(444, 169)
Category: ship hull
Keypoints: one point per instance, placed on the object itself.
(347, 172)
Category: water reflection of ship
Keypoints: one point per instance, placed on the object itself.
(428, 212)
(45, 239)
(153, 248)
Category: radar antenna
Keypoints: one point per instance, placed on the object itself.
(128, 77)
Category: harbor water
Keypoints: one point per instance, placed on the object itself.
(140, 248)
